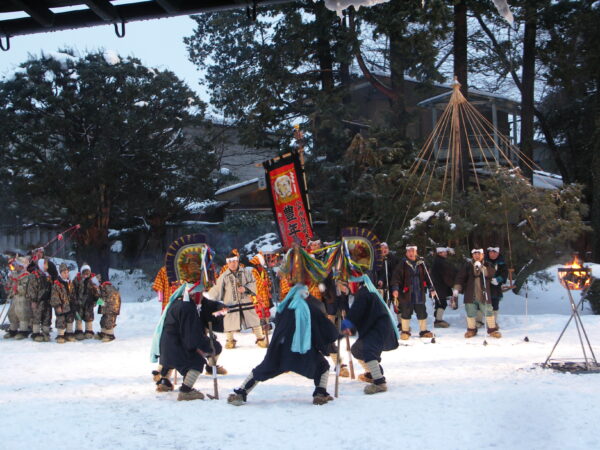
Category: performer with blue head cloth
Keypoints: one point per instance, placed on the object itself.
(303, 334)
(377, 329)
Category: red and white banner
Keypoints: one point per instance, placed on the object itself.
(287, 189)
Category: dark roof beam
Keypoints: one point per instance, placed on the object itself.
(104, 9)
(170, 6)
(39, 13)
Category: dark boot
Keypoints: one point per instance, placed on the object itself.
(425, 334)
(164, 385)
(10, 334)
(79, 336)
(238, 398)
(321, 396)
(88, 335)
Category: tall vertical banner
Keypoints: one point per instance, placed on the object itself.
(287, 190)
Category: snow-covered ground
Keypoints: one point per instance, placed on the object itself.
(454, 394)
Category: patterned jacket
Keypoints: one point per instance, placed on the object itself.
(39, 287)
(85, 290)
(62, 295)
(112, 299)
(20, 284)
(263, 295)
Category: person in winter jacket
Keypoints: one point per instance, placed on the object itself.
(110, 307)
(19, 312)
(39, 288)
(474, 281)
(86, 286)
(235, 287)
(409, 285)
(495, 259)
(61, 299)
(443, 274)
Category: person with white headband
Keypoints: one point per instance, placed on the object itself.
(495, 259)
(235, 287)
(477, 295)
(443, 274)
(409, 284)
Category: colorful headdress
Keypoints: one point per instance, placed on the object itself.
(187, 259)
(301, 267)
(364, 247)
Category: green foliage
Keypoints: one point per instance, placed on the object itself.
(593, 296)
(101, 144)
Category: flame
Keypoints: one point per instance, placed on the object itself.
(574, 279)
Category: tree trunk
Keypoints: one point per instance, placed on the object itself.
(323, 21)
(461, 74)
(595, 188)
(527, 91)
(398, 102)
(93, 245)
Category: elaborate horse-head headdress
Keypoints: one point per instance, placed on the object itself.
(188, 259)
(301, 267)
(364, 247)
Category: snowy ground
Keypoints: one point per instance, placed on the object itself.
(454, 394)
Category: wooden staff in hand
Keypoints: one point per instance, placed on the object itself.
(337, 360)
(350, 362)
(214, 361)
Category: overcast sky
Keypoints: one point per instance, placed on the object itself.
(158, 43)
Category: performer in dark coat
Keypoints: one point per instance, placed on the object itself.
(302, 335)
(442, 275)
(377, 333)
(184, 345)
(409, 285)
(383, 276)
(495, 259)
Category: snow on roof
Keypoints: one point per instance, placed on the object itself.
(440, 85)
(199, 207)
(237, 186)
(111, 57)
(547, 180)
(266, 243)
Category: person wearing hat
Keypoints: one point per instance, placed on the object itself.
(61, 299)
(235, 287)
(86, 286)
(38, 292)
(495, 259)
(409, 284)
(477, 293)
(442, 275)
(377, 331)
(19, 312)
(302, 336)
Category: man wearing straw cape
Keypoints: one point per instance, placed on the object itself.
(302, 336)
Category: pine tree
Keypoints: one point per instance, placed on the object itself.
(99, 141)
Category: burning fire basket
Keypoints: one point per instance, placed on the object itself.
(575, 277)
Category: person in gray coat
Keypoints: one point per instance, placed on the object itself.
(236, 288)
